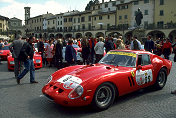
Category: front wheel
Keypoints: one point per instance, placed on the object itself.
(104, 96)
(161, 79)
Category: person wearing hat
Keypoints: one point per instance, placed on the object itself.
(120, 44)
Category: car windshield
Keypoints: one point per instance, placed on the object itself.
(125, 59)
(5, 48)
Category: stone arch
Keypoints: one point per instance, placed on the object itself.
(99, 34)
(51, 36)
(40, 35)
(172, 35)
(156, 34)
(114, 34)
(78, 35)
(88, 34)
(45, 35)
(36, 36)
(59, 35)
(68, 36)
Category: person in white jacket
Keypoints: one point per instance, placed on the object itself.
(99, 49)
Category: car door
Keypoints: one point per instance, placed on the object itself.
(144, 72)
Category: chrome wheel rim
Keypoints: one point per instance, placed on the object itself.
(103, 96)
(162, 78)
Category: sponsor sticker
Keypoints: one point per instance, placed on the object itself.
(143, 77)
(123, 53)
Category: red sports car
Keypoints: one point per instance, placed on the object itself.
(118, 73)
(37, 61)
(4, 52)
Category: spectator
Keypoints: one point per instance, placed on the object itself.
(135, 44)
(120, 44)
(149, 44)
(15, 49)
(99, 49)
(58, 54)
(40, 46)
(5, 42)
(49, 52)
(109, 45)
(92, 43)
(28, 52)
(70, 53)
(167, 48)
(85, 50)
(174, 51)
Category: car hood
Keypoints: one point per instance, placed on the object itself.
(86, 73)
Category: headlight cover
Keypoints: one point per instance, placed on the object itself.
(49, 79)
(76, 92)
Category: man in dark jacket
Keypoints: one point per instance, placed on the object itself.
(58, 53)
(109, 45)
(149, 44)
(70, 53)
(28, 54)
(15, 49)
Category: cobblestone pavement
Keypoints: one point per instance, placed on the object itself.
(27, 101)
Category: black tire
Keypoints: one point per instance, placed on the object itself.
(104, 96)
(161, 79)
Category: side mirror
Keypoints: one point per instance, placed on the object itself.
(139, 67)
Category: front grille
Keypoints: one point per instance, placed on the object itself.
(55, 87)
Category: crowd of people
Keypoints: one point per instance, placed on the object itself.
(93, 49)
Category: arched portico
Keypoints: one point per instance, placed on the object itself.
(59, 35)
(172, 35)
(156, 34)
(68, 36)
(114, 34)
(99, 34)
(88, 34)
(78, 35)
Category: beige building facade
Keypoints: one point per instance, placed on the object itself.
(3, 24)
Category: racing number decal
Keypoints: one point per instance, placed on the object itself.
(144, 77)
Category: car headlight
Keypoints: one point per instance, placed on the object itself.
(12, 62)
(38, 61)
(49, 79)
(76, 92)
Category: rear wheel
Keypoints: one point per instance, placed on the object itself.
(104, 96)
(161, 79)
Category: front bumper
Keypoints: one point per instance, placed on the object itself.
(59, 94)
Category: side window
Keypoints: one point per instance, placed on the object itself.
(139, 60)
(146, 59)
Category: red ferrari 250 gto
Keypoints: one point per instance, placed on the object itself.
(118, 73)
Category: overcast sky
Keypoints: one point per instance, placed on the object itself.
(15, 8)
